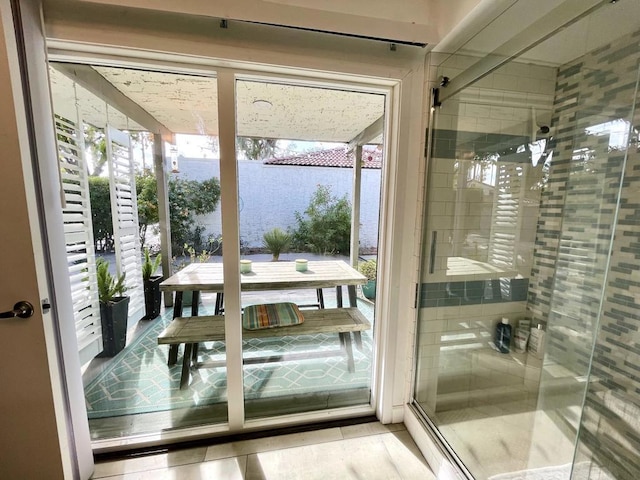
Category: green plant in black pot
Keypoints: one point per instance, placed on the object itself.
(114, 309)
(369, 269)
(276, 241)
(152, 295)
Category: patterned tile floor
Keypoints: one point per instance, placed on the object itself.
(138, 379)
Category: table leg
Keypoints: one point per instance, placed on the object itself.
(219, 300)
(339, 296)
(320, 297)
(177, 312)
(345, 340)
(195, 306)
(195, 303)
(186, 365)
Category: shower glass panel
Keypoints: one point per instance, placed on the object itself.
(531, 217)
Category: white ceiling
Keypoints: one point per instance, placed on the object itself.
(188, 104)
(411, 21)
(609, 22)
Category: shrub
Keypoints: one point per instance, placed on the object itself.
(326, 224)
(276, 241)
(187, 198)
(369, 269)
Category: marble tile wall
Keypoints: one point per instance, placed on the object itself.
(584, 287)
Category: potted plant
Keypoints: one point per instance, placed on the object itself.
(369, 269)
(152, 296)
(276, 241)
(114, 309)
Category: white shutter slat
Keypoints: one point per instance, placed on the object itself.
(125, 216)
(79, 238)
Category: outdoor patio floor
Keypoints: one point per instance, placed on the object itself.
(136, 392)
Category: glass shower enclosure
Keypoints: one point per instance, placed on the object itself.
(532, 215)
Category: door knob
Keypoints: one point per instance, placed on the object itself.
(21, 309)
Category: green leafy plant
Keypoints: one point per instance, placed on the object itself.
(149, 266)
(109, 287)
(369, 269)
(325, 226)
(276, 241)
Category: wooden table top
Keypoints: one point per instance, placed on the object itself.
(266, 276)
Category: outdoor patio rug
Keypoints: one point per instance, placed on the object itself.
(138, 379)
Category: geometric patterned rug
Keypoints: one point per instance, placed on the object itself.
(138, 379)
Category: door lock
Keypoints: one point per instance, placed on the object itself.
(22, 309)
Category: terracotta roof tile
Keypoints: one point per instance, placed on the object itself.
(335, 157)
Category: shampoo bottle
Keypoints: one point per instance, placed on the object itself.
(536, 341)
(503, 336)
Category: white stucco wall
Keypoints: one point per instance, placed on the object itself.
(271, 194)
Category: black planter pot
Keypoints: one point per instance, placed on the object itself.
(152, 298)
(114, 316)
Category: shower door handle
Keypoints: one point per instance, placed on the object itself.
(432, 256)
(22, 309)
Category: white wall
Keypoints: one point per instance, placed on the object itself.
(271, 194)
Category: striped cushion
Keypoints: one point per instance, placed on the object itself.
(271, 315)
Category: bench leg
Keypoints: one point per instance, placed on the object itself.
(358, 338)
(186, 365)
(345, 341)
(339, 296)
(177, 312)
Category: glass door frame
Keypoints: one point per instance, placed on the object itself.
(226, 78)
(227, 81)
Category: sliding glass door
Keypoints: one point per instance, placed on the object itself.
(527, 320)
(256, 210)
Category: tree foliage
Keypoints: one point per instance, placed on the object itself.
(188, 198)
(147, 198)
(325, 226)
(96, 142)
(257, 148)
(101, 213)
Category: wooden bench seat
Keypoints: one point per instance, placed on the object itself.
(194, 330)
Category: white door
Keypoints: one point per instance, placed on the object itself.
(38, 435)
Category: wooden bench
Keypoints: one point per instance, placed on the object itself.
(209, 328)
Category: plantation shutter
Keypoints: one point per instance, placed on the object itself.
(506, 216)
(78, 233)
(124, 212)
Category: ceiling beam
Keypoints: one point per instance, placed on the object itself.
(88, 78)
(364, 137)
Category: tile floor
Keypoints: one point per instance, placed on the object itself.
(365, 451)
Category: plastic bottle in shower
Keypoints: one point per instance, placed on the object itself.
(503, 336)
